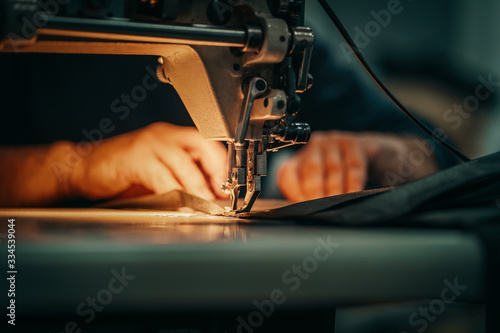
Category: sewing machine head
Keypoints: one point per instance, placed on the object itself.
(237, 65)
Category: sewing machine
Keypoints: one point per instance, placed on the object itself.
(238, 66)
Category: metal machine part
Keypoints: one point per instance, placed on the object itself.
(238, 65)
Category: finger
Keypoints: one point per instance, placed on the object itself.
(184, 169)
(211, 155)
(208, 157)
(213, 162)
(334, 179)
(312, 171)
(156, 177)
(355, 164)
(288, 180)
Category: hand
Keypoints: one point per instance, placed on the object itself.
(155, 159)
(337, 162)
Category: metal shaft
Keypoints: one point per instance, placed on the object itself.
(144, 32)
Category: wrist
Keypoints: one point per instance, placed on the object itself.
(401, 159)
(63, 161)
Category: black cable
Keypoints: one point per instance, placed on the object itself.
(364, 63)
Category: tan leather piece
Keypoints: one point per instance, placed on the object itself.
(172, 200)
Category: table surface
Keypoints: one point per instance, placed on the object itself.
(183, 260)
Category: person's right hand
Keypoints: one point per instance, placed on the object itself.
(155, 159)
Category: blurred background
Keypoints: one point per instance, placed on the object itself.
(431, 55)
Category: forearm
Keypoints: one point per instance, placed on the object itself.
(404, 159)
(35, 175)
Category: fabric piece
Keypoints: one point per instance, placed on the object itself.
(307, 208)
(470, 184)
(172, 200)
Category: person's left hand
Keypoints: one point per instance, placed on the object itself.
(331, 163)
(337, 162)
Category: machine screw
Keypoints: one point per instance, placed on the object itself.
(281, 104)
(260, 85)
(162, 76)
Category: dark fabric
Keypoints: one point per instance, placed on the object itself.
(474, 185)
(308, 208)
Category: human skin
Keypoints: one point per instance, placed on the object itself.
(155, 159)
(336, 162)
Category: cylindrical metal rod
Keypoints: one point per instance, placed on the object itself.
(144, 32)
